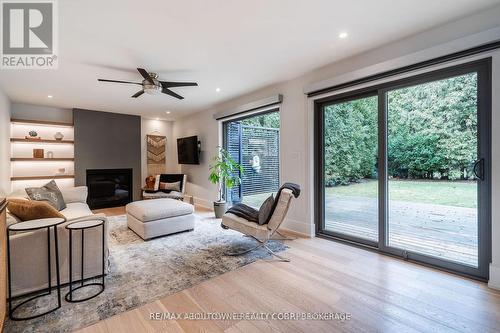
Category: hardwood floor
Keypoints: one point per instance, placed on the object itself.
(110, 211)
(380, 293)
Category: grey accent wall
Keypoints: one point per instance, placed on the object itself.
(105, 140)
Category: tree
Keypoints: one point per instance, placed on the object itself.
(350, 140)
(270, 120)
(432, 132)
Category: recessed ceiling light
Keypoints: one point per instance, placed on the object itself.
(167, 112)
(343, 35)
(49, 96)
(217, 89)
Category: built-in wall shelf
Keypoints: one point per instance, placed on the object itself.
(18, 159)
(39, 122)
(26, 170)
(43, 177)
(42, 141)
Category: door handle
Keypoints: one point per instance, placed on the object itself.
(479, 165)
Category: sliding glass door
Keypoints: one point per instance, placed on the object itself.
(405, 167)
(432, 151)
(350, 168)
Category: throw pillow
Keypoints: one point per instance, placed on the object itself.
(176, 186)
(49, 193)
(266, 210)
(157, 183)
(32, 210)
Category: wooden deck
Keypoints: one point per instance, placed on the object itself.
(443, 231)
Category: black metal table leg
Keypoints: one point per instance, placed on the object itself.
(58, 273)
(83, 256)
(70, 263)
(30, 226)
(82, 226)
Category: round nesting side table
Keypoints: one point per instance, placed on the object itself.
(82, 226)
(31, 226)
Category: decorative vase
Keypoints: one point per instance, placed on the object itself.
(58, 136)
(50, 154)
(220, 208)
(37, 153)
(33, 134)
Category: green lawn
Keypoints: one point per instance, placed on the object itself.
(449, 193)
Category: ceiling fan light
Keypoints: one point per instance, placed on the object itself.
(152, 90)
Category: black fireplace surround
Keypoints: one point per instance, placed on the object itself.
(109, 187)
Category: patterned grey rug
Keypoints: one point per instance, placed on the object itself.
(142, 272)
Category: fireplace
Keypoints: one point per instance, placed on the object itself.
(109, 187)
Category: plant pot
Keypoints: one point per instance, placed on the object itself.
(220, 208)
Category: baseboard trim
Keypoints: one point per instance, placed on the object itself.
(207, 204)
(299, 227)
(294, 233)
(494, 281)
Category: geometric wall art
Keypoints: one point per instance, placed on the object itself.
(156, 154)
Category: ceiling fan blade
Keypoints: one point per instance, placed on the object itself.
(171, 93)
(145, 75)
(104, 80)
(137, 94)
(170, 84)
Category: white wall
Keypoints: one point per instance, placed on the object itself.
(41, 113)
(4, 144)
(157, 127)
(297, 116)
(205, 127)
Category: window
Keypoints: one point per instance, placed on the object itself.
(253, 141)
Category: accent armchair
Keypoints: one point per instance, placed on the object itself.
(261, 233)
(161, 194)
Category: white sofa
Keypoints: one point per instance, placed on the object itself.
(29, 249)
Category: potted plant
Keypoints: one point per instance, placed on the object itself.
(224, 172)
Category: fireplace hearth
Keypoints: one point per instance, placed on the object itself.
(109, 187)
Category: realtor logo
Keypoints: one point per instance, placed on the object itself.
(28, 34)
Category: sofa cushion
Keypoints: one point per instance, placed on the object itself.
(12, 219)
(75, 210)
(152, 210)
(172, 178)
(19, 194)
(175, 186)
(27, 210)
(75, 194)
(49, 193)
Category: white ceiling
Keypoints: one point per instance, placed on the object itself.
(237, 45)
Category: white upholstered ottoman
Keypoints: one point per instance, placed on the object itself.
(159, 217)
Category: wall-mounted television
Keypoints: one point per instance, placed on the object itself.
(188, 150)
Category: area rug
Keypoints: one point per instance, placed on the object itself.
(142, 272)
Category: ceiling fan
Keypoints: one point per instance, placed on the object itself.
(151, 85)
